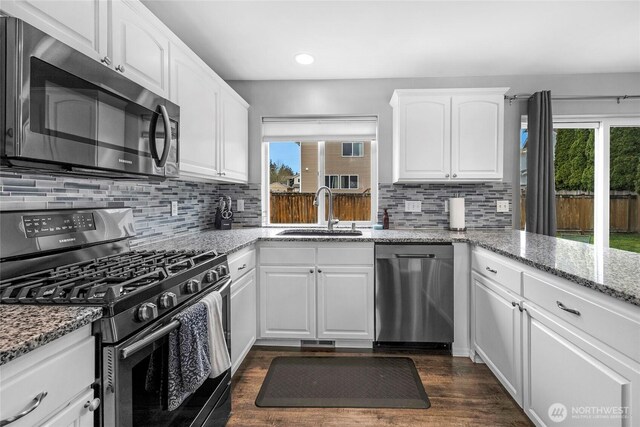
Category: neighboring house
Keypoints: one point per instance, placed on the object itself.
(294, 183)
(347, 167)
(278, 187)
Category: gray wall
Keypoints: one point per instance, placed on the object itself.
(371, 96)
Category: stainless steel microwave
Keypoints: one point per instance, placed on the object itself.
(66, 112)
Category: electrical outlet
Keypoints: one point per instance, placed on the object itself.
(412, 206)
(240, 205)
(174, 208)
(502, 206)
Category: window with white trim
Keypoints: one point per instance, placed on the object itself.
(340, 153)
(349, 182)
(597, 176)
(352, 149)
(332, 181)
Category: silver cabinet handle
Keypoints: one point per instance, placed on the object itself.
(30, 408)
(455, 175)
(106, 60)
(92, 405)
(491, 270)
(319, 271)
(311, 270)
(513, 303)
(242, 267)
(561, 306)
(120, 68)
(446, 176)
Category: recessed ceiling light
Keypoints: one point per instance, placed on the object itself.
(304, 59)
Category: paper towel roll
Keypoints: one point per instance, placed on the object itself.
(456, 213)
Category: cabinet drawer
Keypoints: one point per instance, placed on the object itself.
(501, 272)
(611, 327)
(287, 255)
(62, 375)
(242, 262)
(348, 255)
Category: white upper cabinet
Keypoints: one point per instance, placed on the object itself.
(234, 141)
(80, 24)
(477, 127)
(421, 149)
(125, 36)
(444, 135)
(198, 95)
(140, 50)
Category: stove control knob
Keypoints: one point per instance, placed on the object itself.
(211, 276)
(223, 270)
(168, 300)
(147, 311)
(193, 286)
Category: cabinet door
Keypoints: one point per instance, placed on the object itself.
(564, 377)
(423, 148)
(477, 127)
(234, 140)
(197, 93)
(74, 415)
(243, 318)
(140, 51)
(287, 302)
(345, 302)
(80, 24)
(497, 333)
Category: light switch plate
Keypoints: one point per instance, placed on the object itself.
(412, 206)
(446, 206)
(240, 205)
(174, 208)
(502, 206)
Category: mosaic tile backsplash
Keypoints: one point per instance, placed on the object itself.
(151, 201)
(480, 204)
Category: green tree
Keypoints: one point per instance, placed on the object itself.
(574, 159)
(625, 158)
(279, 172)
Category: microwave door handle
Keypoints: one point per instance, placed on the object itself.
(152, 137)
(167, 135)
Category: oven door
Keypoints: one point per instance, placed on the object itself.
(135, 378)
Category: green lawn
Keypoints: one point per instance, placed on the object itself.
(624, 241)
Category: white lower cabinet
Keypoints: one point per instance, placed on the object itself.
(287, 302)
(317, 291)
(570, 382)
(568, 355)
(345, 302)
(58, 375)
(76, 414)
(497, 337)
(243, 318)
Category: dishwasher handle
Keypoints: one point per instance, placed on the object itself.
(411, 256)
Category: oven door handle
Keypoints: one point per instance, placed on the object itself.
(139, 345)
(156, 335)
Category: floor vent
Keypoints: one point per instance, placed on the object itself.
(318, 343)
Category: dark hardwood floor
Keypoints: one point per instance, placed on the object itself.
(462, 394)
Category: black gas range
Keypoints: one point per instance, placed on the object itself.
(83, 257)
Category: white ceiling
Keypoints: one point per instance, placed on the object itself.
(257, 40)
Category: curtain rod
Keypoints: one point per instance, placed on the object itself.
(618, 98)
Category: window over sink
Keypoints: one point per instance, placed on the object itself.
(301, 155)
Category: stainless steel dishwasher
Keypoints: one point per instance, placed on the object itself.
(414, 294)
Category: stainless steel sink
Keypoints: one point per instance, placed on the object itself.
(319, 232)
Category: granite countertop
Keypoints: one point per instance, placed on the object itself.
(24, 328)
(610, 271)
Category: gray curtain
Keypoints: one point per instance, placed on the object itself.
(541, 189)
